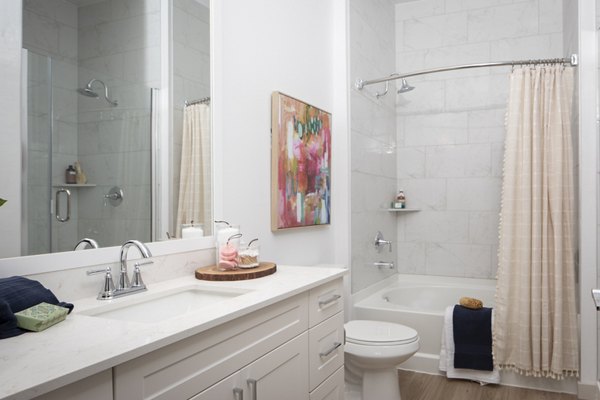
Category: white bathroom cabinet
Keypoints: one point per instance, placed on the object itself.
(290, 350)
(280, 374)
(95, 387)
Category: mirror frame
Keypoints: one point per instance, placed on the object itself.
(49, 262)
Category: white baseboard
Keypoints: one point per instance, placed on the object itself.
(588, 391)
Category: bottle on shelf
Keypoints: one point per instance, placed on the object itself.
(400, 201)
(70, 175)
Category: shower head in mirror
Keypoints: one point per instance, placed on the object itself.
(87, 91)
(405, 87)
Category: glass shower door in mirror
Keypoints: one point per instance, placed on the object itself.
(38, 156)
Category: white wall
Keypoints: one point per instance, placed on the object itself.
(373, 140)
(10, 128)
(451, 127)
(588, 193)
(261, 47)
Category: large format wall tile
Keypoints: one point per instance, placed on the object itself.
(450, 129)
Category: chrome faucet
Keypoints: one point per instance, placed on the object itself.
(89, 244)
(124, 288)
(123, 276)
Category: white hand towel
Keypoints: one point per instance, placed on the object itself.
(447, 356)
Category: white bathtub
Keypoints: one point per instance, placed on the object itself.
(419, 301)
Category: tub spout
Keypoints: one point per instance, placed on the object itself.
(384, 264)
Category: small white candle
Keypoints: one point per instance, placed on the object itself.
(192, 232)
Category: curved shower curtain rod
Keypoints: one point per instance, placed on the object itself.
(360, 84)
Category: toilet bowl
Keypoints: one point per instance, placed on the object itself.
(373, 350)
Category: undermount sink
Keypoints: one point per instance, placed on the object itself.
(155, 307)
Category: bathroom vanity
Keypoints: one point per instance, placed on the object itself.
(278, 337)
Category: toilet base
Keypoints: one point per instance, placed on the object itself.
(381, 384)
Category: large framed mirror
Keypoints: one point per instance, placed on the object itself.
(116, 105)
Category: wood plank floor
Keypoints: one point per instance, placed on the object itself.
(416, 386)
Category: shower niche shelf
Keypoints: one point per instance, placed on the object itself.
(402, 210)
(74, 185)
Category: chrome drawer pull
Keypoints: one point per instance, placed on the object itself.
(252, 384)
(331, 350)
(333, 298)
(238, 394)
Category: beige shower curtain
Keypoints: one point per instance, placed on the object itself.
(195, 172)
(535, 322)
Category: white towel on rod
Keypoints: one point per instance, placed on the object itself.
(447, 356)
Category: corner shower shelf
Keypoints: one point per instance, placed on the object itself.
(402, 210)
(81, 185)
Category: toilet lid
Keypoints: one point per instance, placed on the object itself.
(381, 333)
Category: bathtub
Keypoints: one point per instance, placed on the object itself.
(419, 301)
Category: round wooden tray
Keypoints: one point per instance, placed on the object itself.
(212, 273)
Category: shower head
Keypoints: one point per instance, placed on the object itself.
(405, 87)
(87, 91)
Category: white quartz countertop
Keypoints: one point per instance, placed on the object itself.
(38, 362)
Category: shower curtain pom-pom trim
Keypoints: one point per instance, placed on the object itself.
(539, 373)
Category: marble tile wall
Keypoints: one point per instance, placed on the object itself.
(450, 129)
(373, 140)
(191, 75)
(119, 43)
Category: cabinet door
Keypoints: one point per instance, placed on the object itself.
(281, 374)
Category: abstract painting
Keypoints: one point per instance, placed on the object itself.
(300, 164)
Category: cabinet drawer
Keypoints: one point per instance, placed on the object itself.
(185, 368)
(325, 301)
(325, 349)
(332, 389)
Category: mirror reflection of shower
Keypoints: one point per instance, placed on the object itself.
(87, 91)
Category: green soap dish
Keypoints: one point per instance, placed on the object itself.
(41, 316)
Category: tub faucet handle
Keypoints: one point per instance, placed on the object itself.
(380, 241)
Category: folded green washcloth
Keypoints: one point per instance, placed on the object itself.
(41, 316)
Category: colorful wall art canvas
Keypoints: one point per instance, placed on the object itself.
(300, 164)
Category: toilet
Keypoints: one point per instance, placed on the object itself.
(373, 350)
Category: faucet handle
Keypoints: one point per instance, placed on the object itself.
(380, 241)
(108, 288)
(136, 281)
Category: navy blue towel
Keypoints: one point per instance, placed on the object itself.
(472, 338)
(18, 293)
